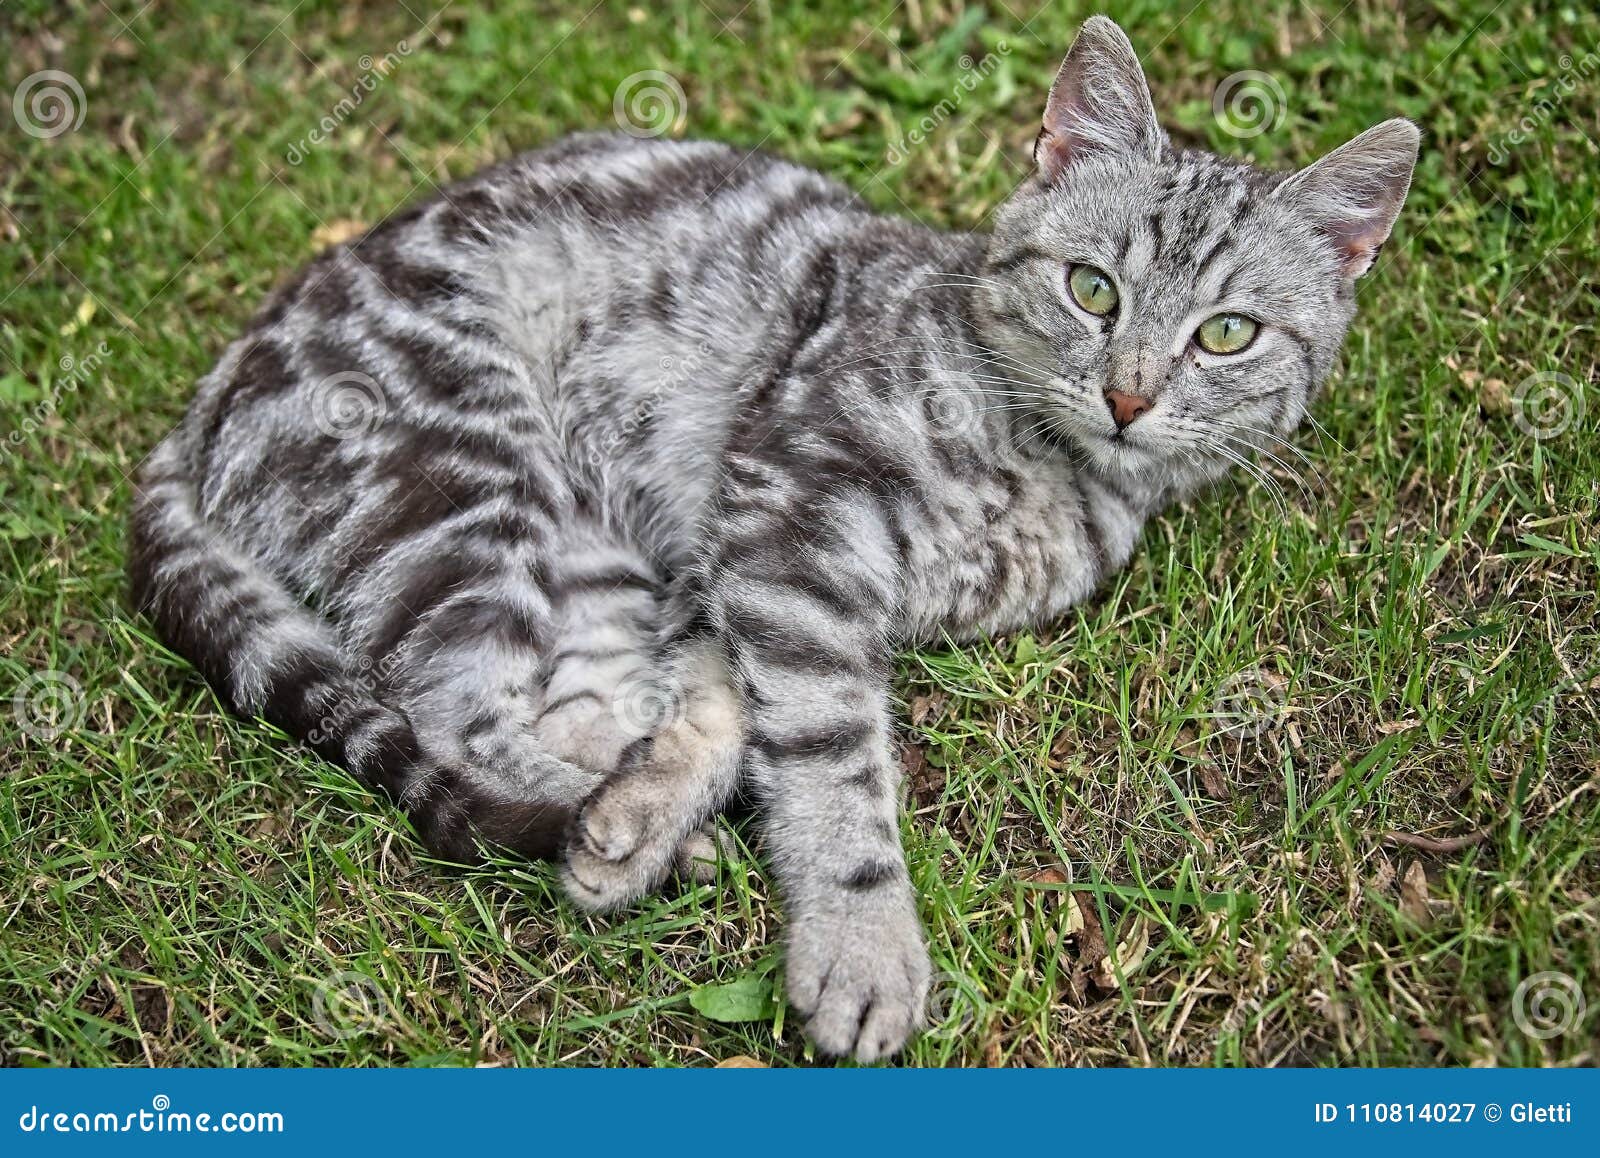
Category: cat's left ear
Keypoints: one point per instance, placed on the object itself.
(1354, 194)
(1099, 103)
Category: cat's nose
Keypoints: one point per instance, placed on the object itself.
(1126, 407)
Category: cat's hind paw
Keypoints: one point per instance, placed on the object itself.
(609, 865)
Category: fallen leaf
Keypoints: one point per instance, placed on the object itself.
(747, 998)
(1212, 781)
(1072, 922)
(1129, 956)
(1076, 923)
(925, 708)
(1494, 396)
(1414, 894)
(337, 232)
(81, 318)
(740, 1062)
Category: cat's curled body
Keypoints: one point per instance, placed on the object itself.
(566, 504)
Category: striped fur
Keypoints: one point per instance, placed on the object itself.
(569, 503)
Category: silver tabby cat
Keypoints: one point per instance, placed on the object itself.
(668, 447)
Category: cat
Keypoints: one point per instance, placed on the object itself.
(608, 483)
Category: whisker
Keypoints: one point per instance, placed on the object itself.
(1305, 488)
(1267, 482)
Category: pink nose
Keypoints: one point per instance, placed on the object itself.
(1125, 407)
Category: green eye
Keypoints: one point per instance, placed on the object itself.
(1092, 289)
(1226, 333)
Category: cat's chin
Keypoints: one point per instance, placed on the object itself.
(1120, 456)
(1138, 465)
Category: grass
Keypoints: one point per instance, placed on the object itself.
(1157, 833)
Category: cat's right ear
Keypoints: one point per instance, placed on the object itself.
(1354, 194)
(1099, 103)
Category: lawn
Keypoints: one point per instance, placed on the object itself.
(1316, 781)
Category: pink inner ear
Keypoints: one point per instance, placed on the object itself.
(1356, 222)
(1359, 242)
(1053, 151)
(1099, 102)
(1046, 151)
(1061, 139)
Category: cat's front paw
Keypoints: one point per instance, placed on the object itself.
(859, 972)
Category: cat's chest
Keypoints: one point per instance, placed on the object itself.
(1011, 548)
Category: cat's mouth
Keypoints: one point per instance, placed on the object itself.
(1128, 450)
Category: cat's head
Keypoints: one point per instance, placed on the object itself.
(1177, 308)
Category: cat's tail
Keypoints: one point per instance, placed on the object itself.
(268, 655)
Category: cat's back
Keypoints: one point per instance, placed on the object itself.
(594, 231)
(583, 297)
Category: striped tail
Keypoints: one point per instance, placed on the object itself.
(268, 655)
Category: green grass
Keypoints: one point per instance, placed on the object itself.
(1416, 623)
